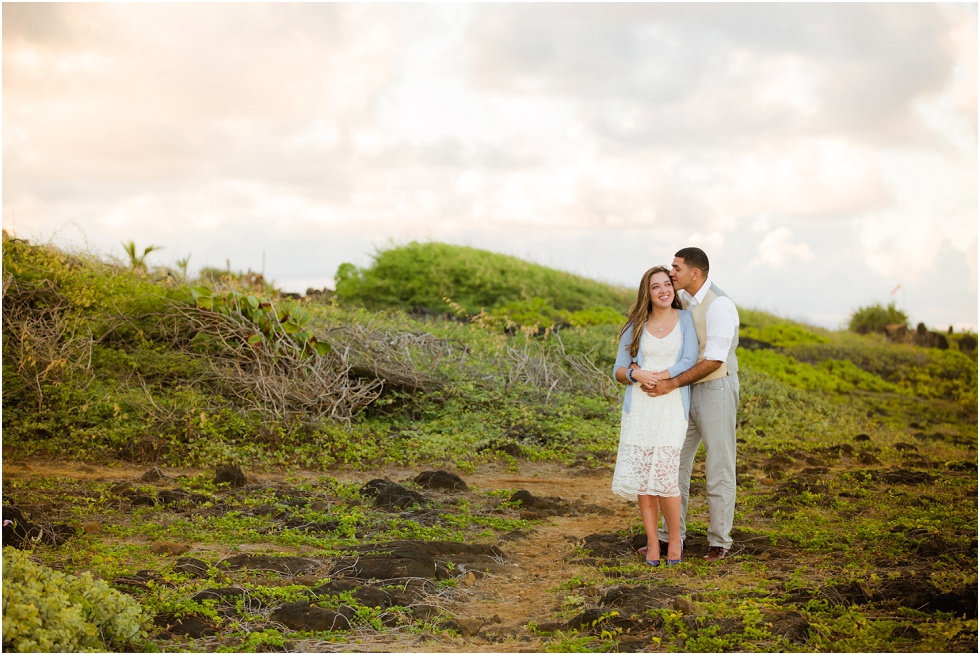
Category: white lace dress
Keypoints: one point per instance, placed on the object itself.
(653, 431)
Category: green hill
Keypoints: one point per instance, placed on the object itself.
(423, 276)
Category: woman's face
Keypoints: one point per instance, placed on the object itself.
(661, 290)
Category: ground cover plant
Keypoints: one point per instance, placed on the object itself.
(234, 470)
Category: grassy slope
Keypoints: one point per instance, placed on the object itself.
(107, 385)
(424, 275)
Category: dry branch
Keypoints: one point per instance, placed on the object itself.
(45, 345)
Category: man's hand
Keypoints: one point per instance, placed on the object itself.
(660, 387)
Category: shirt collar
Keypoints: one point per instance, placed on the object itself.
(698, 298)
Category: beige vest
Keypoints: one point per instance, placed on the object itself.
(699, 313)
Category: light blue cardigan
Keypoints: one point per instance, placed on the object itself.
(687, 357)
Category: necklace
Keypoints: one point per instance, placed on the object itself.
(660, 328)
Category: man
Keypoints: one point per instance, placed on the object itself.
(714, 398)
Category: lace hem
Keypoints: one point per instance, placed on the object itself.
(647, 471)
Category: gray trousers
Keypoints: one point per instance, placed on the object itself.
(712, 422)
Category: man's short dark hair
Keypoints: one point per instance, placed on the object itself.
(694, 258)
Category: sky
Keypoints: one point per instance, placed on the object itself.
(823, 155)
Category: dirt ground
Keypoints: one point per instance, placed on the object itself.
(573, 573)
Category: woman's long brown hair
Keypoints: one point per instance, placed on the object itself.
(640, 311)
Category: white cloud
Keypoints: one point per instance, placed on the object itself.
(778, 249)
(767, 134)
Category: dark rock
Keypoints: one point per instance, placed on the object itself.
(20, 533)
(191, 626)
(306, 617)
(902, 476)
(867, 458)
(632, 600)
(393, 566)
(440, 480)
(776, 465)
(154, 474)
(138, 499)
(391, 495)
(542, 506)
(288, 565)
(424, 612)
(612, 545)
(194, 567)
(16, 528)
(223, 593)
(372, 487)
(172, 496)
(230, 474)
(595, 620)
(789, 625)
(720, 626)
(850, 593)
(901, 446)
(862, 437)
(366, 595)
(920, 594)
(434, 548)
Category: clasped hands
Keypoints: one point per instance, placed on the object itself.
(653, 383)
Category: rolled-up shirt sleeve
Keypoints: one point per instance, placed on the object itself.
(721, 326)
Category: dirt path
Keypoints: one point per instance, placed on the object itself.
(540, 562)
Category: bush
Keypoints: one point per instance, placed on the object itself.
(874, 318)
(48, 611)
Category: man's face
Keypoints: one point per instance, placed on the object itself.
(681, 274)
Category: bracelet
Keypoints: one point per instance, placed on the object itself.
(629, 376)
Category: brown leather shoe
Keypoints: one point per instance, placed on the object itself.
(716, 553)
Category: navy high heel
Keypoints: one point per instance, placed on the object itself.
(652, 562)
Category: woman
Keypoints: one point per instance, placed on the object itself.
(657, 342)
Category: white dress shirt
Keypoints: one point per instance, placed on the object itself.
(721, 322)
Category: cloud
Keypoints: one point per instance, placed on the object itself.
(672, 75)
(611, 134)
(777, 249)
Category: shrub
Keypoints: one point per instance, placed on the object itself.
(782, 335)
(48, 611)
(874, 318)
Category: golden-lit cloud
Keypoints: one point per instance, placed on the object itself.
(591, 137)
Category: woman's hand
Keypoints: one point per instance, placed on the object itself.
(646, 378)
(655, 378)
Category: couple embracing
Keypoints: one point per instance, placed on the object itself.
(677, 357)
